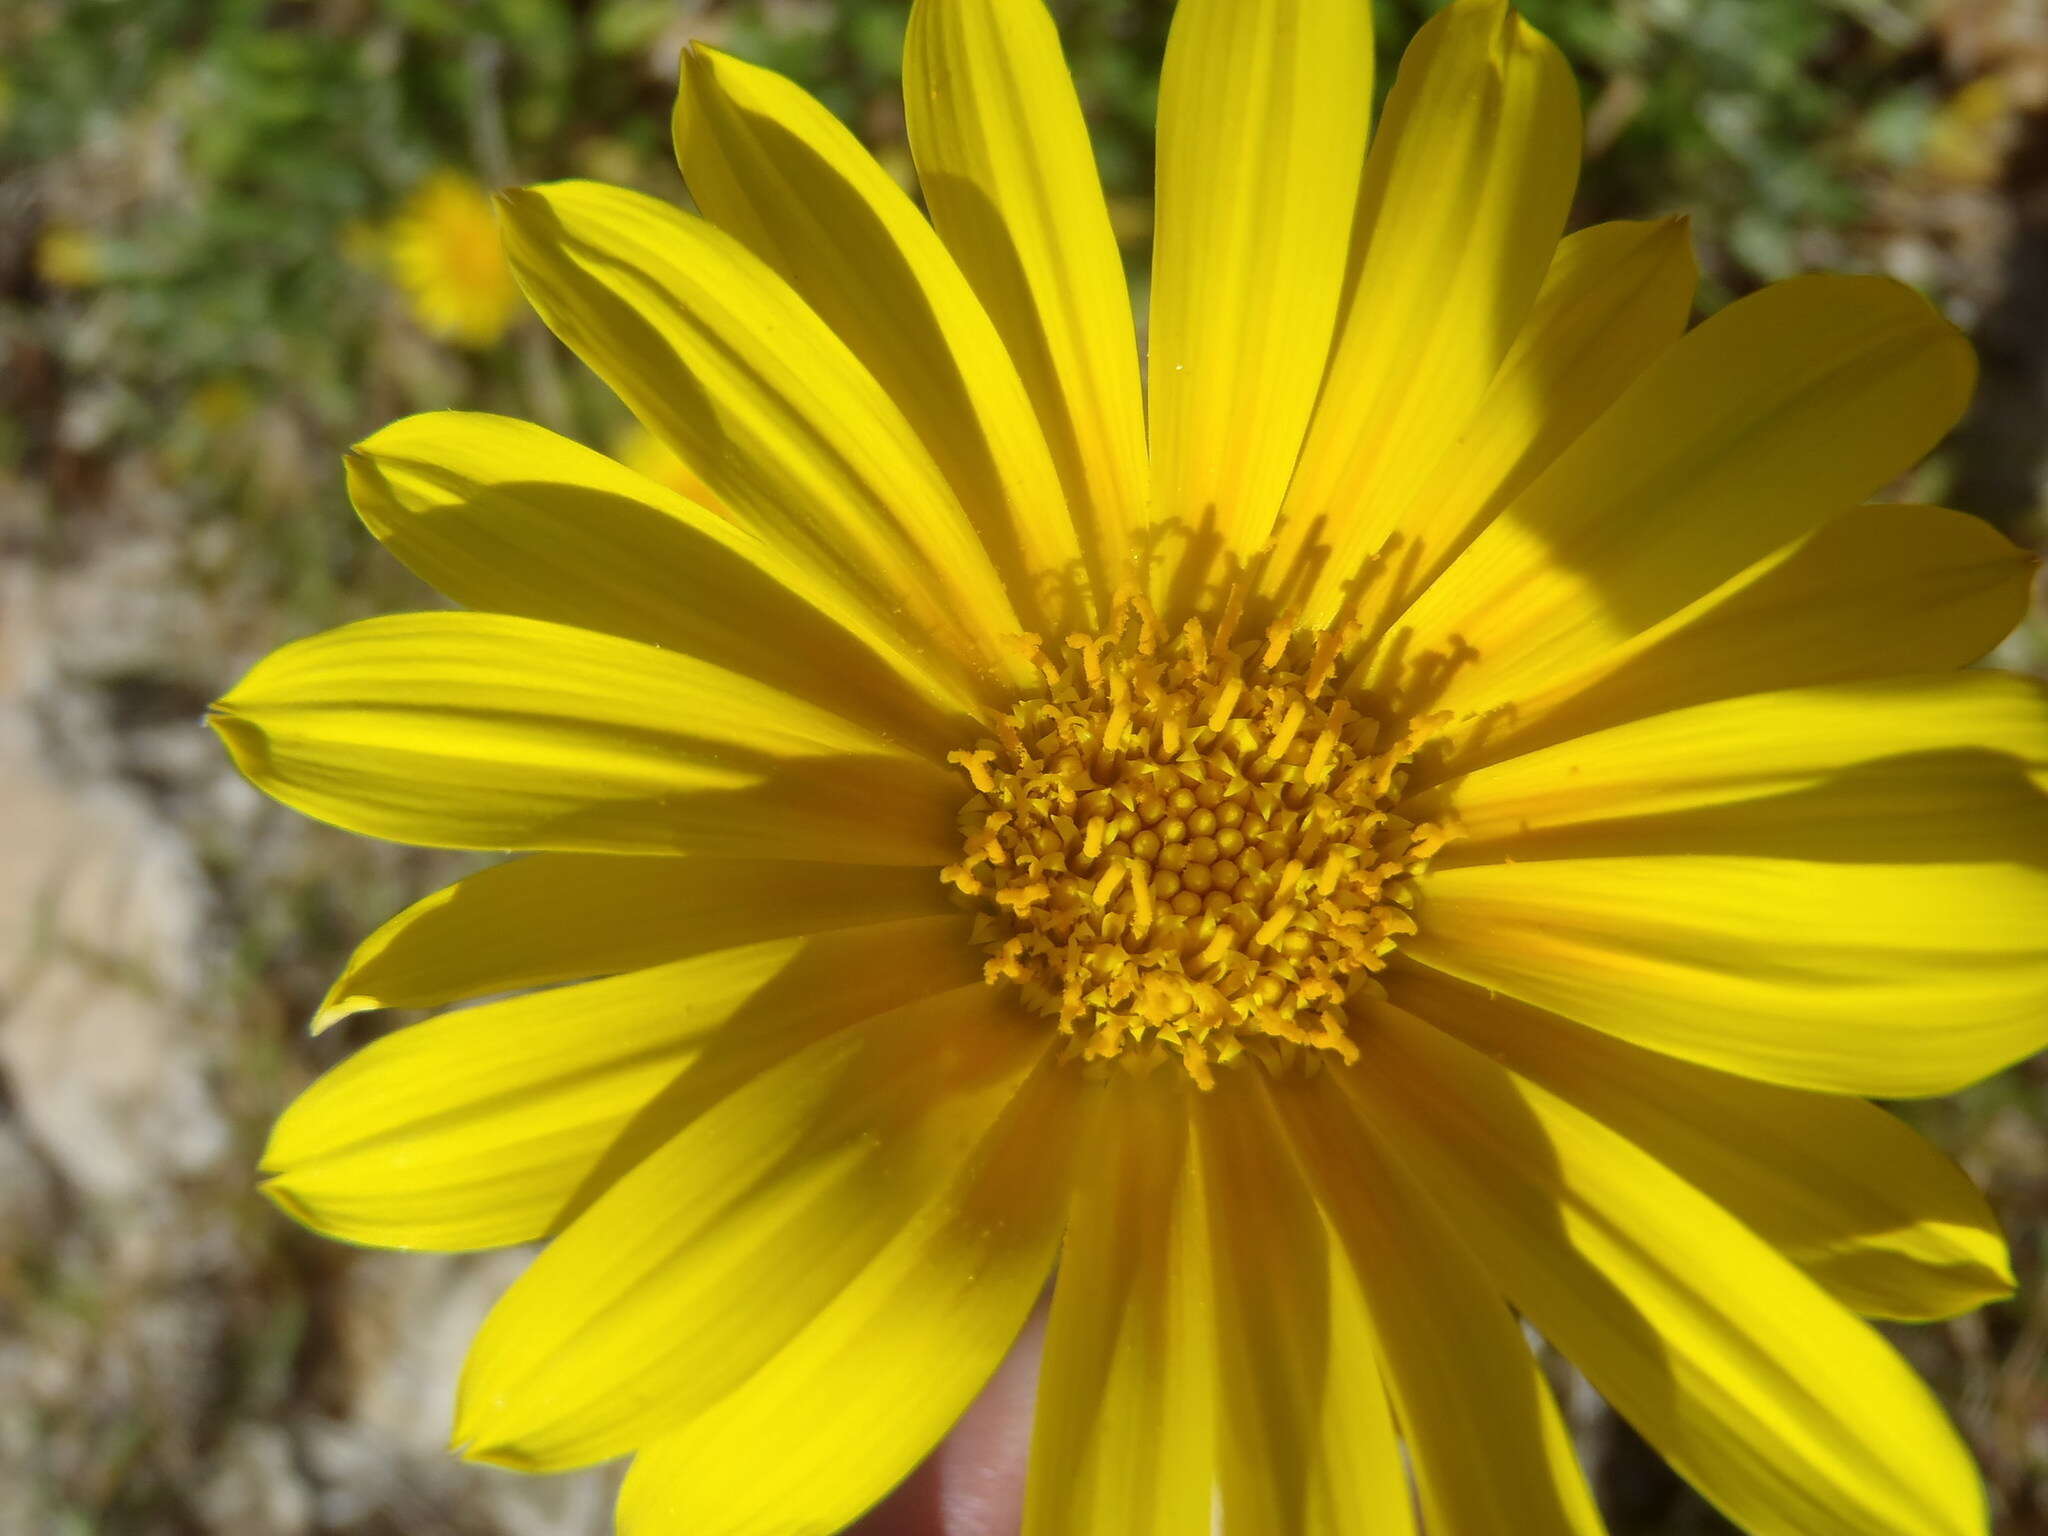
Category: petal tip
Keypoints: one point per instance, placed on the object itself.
(275, 1187)
(335, 1007)
(517, 206)
(248, 745)
(471, 1439)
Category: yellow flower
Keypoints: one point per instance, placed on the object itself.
(219, 403)
(1475, 807)
(1973, 133)
(69, 257)
(645, 454)
(447, 260)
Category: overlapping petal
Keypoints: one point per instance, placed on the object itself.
(1489, 1448)
(700, 1264)
(773, 411)
(1886, 1223)
(552, 917)
(1263, 112)
(887, 1365)
(1009, 177)
(1793, 1416)
(1306, 1441)
(774, 169)
(1755, 427)
(1124, 1443)
(1834, 888)
(508, 517)
(474, 730)
(493, 1125)
(1939, 768)
(1463, 201)
(1871, 592)
(1615, 297)
(1882, 979)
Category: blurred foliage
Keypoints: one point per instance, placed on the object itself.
(1762, 118)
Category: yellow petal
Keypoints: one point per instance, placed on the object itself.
(705, 1260)
(506, 516)
(474, 730)
(757, 396)
(1263, 112)
(1489, 1448)
(1009, 176)
(556, 917)
(1871, 592)
(1935, 768)
(493, 1125)
(827, 1426)
(1615, 297)
(1306, 1442)
(774, 169)
(1463, 202)
(1780, 410)
(1124, 1443)
(1885, 980)
(1780, 1406)
(1853, 1196)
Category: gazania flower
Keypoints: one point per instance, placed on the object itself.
(447, 260)
(1438, 809)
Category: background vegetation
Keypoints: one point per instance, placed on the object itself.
(203, 236)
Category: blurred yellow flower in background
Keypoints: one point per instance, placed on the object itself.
(645, 454)
(220, 403)
(447, 259)
(68, 257)
(1439, 814)
(1973, 132)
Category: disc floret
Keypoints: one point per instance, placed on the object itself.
(1189, 850)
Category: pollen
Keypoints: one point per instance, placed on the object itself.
(1188, 850)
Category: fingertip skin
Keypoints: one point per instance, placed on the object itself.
(973, 1484)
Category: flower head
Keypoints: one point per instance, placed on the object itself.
(448, 262)
(1437, 807)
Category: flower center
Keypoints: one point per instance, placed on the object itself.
(1191, 851)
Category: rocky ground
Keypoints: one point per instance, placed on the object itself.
(173, 1355)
